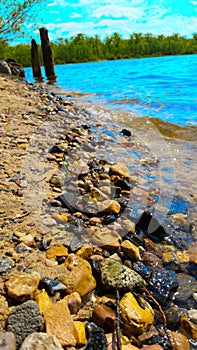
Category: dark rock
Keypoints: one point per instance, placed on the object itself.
(142, 269)
(151, 227)
(126, 132)
(56, 149)
(4, 68)
(173, 317)
(97, 339)
(24, 320)
(163, 284)
(52, 286)
(123, 184)
(16, 68)
(22, 248)
(184, 295)
(104, 317)
(151, 260)
(5, 265)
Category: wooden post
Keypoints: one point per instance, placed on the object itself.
(47, 55)
(35, 61)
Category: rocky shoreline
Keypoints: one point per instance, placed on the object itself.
(84, 262)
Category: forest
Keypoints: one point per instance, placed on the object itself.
(82, 48)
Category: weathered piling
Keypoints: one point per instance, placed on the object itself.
(47, 55)
(35, 61)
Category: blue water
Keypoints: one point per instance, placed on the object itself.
(159, 87)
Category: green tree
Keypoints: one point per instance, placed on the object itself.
(13, 13)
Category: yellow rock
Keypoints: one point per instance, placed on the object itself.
(182, 256)
(56, 251)
(179, 341)
(109, 206)
(58, 322)
(119, 169)
(4, 311)
(135, 318)
(60, 218)
(80, 334)
(188, 328)
(131, 250)
(85, 251)
(80, 278)
(22, 286)
(43, 300)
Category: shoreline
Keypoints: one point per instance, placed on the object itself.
(35, 225)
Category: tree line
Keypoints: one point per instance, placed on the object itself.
(82, 48)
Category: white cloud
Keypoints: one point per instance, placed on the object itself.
(62, 3)
(75, 15)
(116, 11)
(193, 2)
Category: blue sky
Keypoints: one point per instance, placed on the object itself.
(65, 18)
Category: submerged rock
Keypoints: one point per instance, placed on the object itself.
(163, 284)
(115, 275)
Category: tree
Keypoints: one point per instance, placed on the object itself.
(13, 14)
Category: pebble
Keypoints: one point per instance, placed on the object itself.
(115, 275)
(52, 286)
(119, 169)
(7, 341)
(188, 328)
(5, 265)
(104, 317)
(179, 341)
(136, 319)
(163, 284)
(131, 250)
(80, 333)
(74, 302)
(23, 320)
(56, 251)
(42, 300)
(22, 286)
(58, 322)
(41, 341)
(4, 311)
(49, 222)
(96, 337)
(79, 277)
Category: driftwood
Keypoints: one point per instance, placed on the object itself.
(47, 55)
(35, 61)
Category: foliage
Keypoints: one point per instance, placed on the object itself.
(13, 14)
(82, 48)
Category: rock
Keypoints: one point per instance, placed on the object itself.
(58, 322)
(131, 250)
(97, 339)
(188, 328)
(105, 237)
(22, 248)
(153, 248)
(79, 277)
(41, 341)
(52, 286)
(61, 218)
(80, 333)
(137, 319)
(23, 320)
(7, 341)
(22, 286)
(192, 315)
(49, 222)
(56, 251)
(173, 317)
(119, 169)
(151, 260)
(5, 265)
(163, 284)
(153, 347)
(116, 275)
(126, 132)
(187, 286)
(95, 221)
(42, 300)
(56, 181)
(104, 317)
(74, 302)
(85, 251)
(4, 311)
(4, 68)
(179, 341)
(109, 206)
(16, 68)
